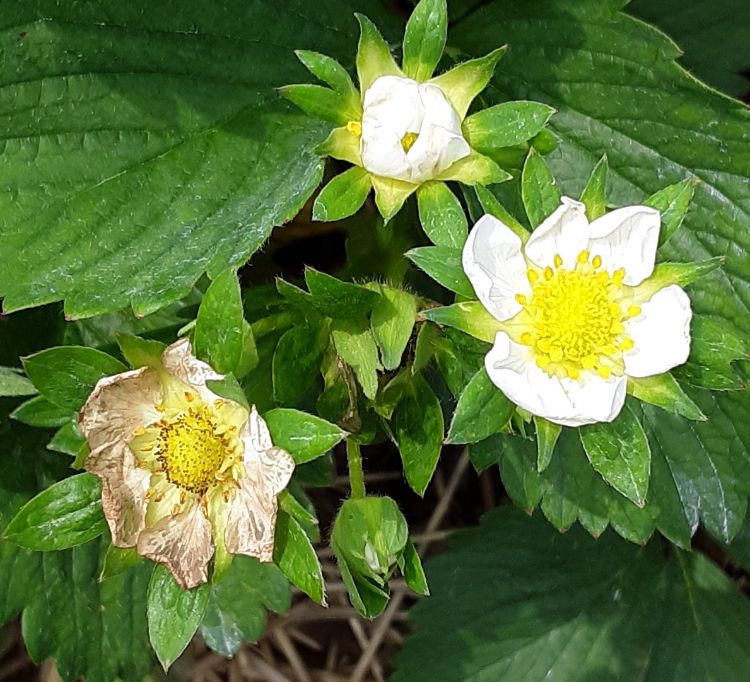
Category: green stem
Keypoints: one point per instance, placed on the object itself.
(268, 324)
(356, 475)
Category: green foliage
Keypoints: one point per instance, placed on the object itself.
(441, 215)
(343, 195)
(589, 610)
(392, 323)
(13, 383)
(424, 38)
(303, 435)
(505, 125)
(443, 264)
(481, 411)
(538, 188)
(296, 557)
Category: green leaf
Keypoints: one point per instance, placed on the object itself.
(443, 264)
(296, 364)
(67, 514)
(95, 630)
(712, 39)
(337, 299)
(40, 412)
(374, 58)
(303, 435)
(547, 434)
(481, 411)
(413, 572)
(229, 388)
(663, 391)
(539, 190)
(343, 196)
(14, 383)
(236, 610)
(392, 322)
(594, 194)
(586, 89)
(470, 317)
(140, 352)
(417, 426)
(355, 345)
(390, 195)
(530, 604)
(218, 337)
(619, 451)
(328, 70)
(673, 203)
(464, 82)
(182, 140)
(491, 205)
(118, 560)
(424, 39)
(69, 440)
(324, 103)
(442, 215)
(475, 169)
(296, 558)
(66, 375)
(173, 615)
(505, 125)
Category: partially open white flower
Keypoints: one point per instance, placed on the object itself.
(578, 315)
(410, 131)
(183, 471)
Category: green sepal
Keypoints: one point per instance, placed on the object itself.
(392, 321)
(390, 195)
(673, 203)
(295, 556)
(321, 102)
(594, 194)
(374, 58)
(547, 434)
(490, 204)
(411, 567)
(355, 345)
(118, 560)
(470, 317)
(141, 352)
(464, 82)
(682, 274)
(341, 144)
(475, 169)
(343, 196)
(441, 214)
(443, 264)
(424, 39)
(228, 388)
(663, 391)
(619, 452)
(329, 71)
(337, 299)
(539, 190)
(505, 125)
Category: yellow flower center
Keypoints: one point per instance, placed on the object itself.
(573, 319)
(191, 448)
(408, 140)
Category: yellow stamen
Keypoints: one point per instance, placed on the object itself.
(583, 257)
(604, 371)
(521, 299)
(408, 140)
(597, 262)
(189, 396)
(139, 431)
(634, 310)
(558, 260)
(354, 127)
(532, 275)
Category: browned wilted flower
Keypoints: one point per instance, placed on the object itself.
(184, 472)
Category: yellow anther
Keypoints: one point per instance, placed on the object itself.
(175, 510)
(218, 403)
(583, 257)
(618, 276)
(542, 361)
(354, 127)
(597, 262)
(527, 338)
(548, 272)
(604, 371)
(573, 372)
(408, 140)
(556, 354)
(588, 361)
(634, 310)
(149, 493)
(520, 298)
(189, 396)
(139, 431)
(532, 275)
(627, 343)
(159, 497)
(558, 261)
(159, 407)
(183, 497)
(617, 327)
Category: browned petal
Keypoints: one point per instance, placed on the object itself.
(179, 361)
(252, 517)
(255, 434)
(183, 544)
(120, 404)
(124, 488)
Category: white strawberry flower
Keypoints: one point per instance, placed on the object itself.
(578, 312)
(410, 131)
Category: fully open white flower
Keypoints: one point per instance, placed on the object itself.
(410, 131)
(578, 317)
(183, 471)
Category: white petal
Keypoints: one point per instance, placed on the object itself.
(382, 153)
(627, 238)
(179, 361)
(395, 104)
(124, 488)
(438, 110)
(120, 404)
(565, 232)
(183, 544)
(252, 517)
(569, 402)
(255, 434)
(435, 150)
(493, 262)
(661, 334)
